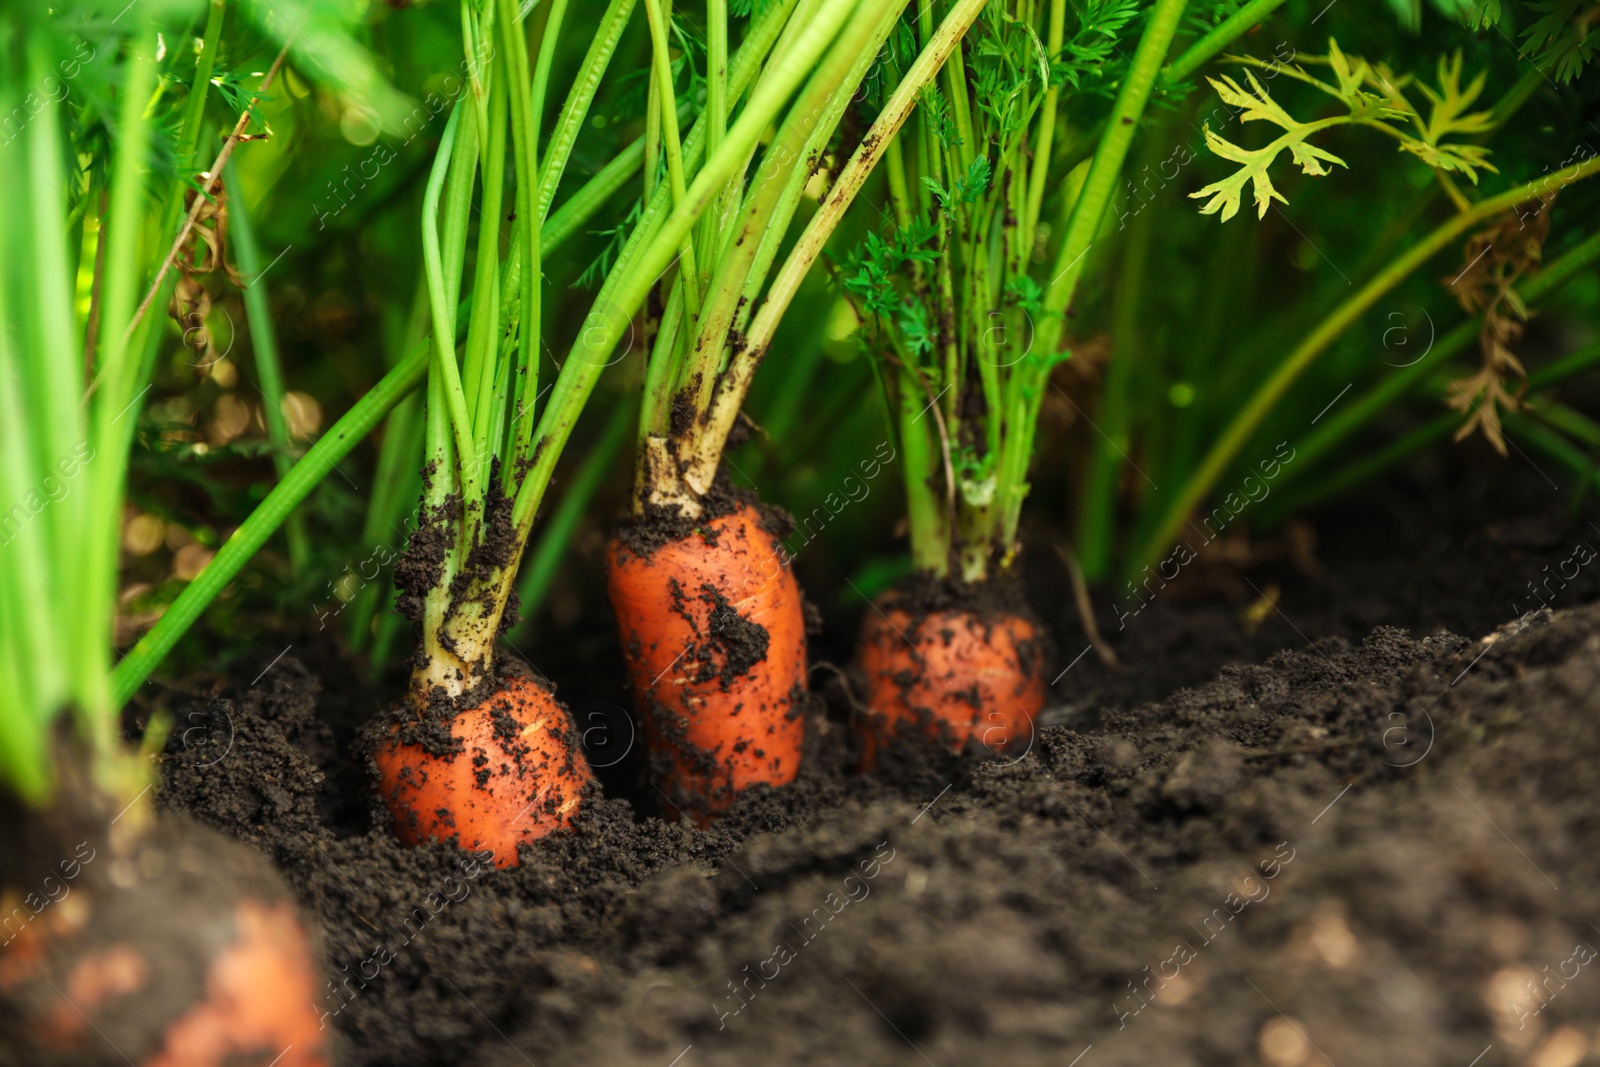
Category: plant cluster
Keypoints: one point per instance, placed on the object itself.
(544, 210)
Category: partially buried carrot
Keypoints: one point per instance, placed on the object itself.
(949, 676)
(714, 633)
(502, 772)
(166, 946)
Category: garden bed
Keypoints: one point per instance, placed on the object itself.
(1361, 834)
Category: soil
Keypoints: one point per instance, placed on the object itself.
(920, 595)
(1350, 822)
(662, 525)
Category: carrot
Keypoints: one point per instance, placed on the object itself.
(506, 771)
(256, 996)
(714, 634)
(167, 945)
(951, 676)
(255, 990)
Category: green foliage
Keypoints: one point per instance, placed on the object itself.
(879, 272)
(236, 90)
(64, 395)
(1082, 64)
(1256, 105)
(1200, 19)
(1448, 117)
(937, 108)
(688, 77)
(1482, 15)
(1170, 306)
(956, 299)
(1025, 293)
(971, 187)
(1373, 96)
(898, 53)
(1564, 38)
(1409, 12)
(616, 237)
(324, 39)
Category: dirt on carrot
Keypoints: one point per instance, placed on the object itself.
(951, 666)
(662, 526)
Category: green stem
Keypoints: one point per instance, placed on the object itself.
(1226, 32)
(716, 72)
(661, 66)
(111, 421)
(1360, 471)
(194, 109)
(573, 215)
(1566, 367)
(264, 521)
(1039, 178)
(548, 45)
(927, 509)
(1349, 418)
(397, 480)
(1315, 343)
(735, 382)
(760, 226)
(708, 234)
(579, 99)
(530, 313)
(458, 159)
(1545, 437)
(1105, 171)
(264, 342)
(1025, 391)
(1114, 441)
(480, 357)
(642, 264)
(549, 554)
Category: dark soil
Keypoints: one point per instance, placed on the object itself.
(664, 525)
(738, 642)
(920, 595)
(1361, 833)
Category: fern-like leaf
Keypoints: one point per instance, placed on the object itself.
(1449, 115)
(1257, 105)
(1563, 40)
(1375, 96)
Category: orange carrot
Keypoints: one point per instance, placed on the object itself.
(228, 976)
(714, 633)
(255, 999)
(950, 676)
(510, 772)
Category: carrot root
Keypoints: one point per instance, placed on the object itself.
(951, 678)
(714, 633)
(257, 992)
(509, 773)
(177, 947)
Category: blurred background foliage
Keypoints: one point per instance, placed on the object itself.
(1178, 321)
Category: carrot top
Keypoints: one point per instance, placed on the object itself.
(719, 312)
